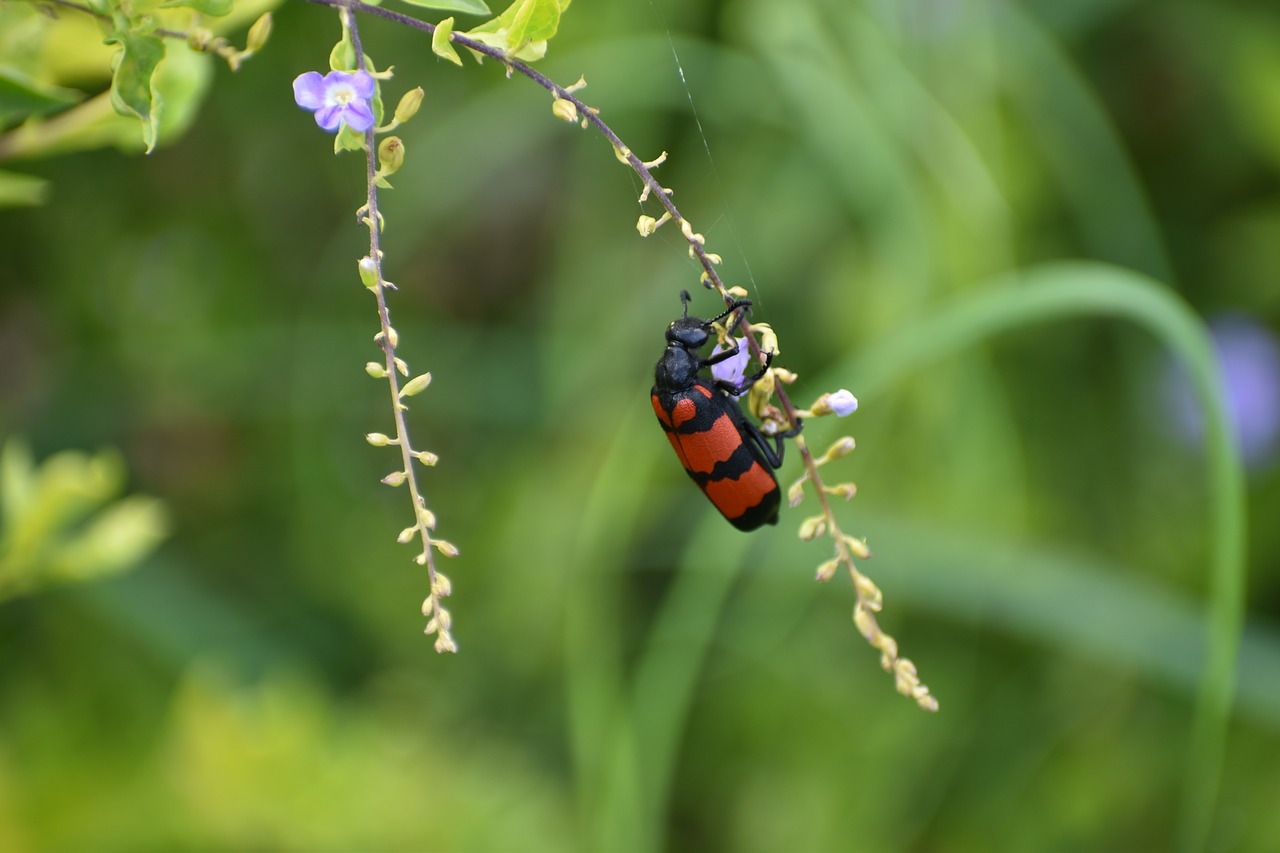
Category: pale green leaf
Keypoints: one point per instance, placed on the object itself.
(440, 44)
(213, 8)
(467, 7)
(18, 190)
(132, 94)
(21, 97)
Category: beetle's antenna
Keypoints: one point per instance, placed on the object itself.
(738, 303)
(684, 302)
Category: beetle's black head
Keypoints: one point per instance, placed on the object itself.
(688, 332)
(679, 365)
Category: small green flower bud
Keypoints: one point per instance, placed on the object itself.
(409, 103)
(421, 559)
(427, 518)
(395, 478)
(391, 154)
(795, 494)
(394, 337)
(827, 570)
(444, 586)
(428, 605)
(869, 591)
(368, 272)
(865, 621)
(445, 643)
(858, 548)
(377, 371)
(402, 367)
(258, 34)
(406, 535)
(843, 490)
(416, 385)
(737, 292)
(199, 39)
(813, 527)
(564, 110)
(646, 225)
(445, 547)
(842, 447)
(426, 457)
(377, 439)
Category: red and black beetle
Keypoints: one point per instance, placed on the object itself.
(723, 452)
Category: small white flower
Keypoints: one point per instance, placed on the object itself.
(843, 403)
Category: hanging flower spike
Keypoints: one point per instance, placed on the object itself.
(337, 97)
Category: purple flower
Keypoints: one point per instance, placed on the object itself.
(337, 97)
(732, 370)
(1249, 365)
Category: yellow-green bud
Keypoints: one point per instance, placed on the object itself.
(377, 371)
(858, 548)
(391, 154)
(869, 591)
(428, 605)
(842, 447)
(827, 570)
(377, 439)
(409, 103)
(402, 367)
(416, 385)
(426, 457)
(258, 34)
(445, 643)
(864, 620)
(427, 518)
(843, 490)
(564, 110)
(795, 494)
(395, 478)
(444, 586)
(646, 225)
(406, 535)
(199, 39)
(445, 547)
(813, 527)
(368, 272)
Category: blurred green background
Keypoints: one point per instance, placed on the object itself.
(634, 674)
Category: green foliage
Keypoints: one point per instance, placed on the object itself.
(466, 7)
(155, 81)
(131, 89)
(523, 29)
(60, 524)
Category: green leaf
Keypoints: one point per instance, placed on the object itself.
(440, 42)
(21, 97)
(131, 89)
(522, 29)
(213, 8)
(467, 7)
(21, 190)
(343, 55)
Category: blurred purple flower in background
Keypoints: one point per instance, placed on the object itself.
(1249, 364)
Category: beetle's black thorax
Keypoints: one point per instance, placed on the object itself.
(677, 369)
